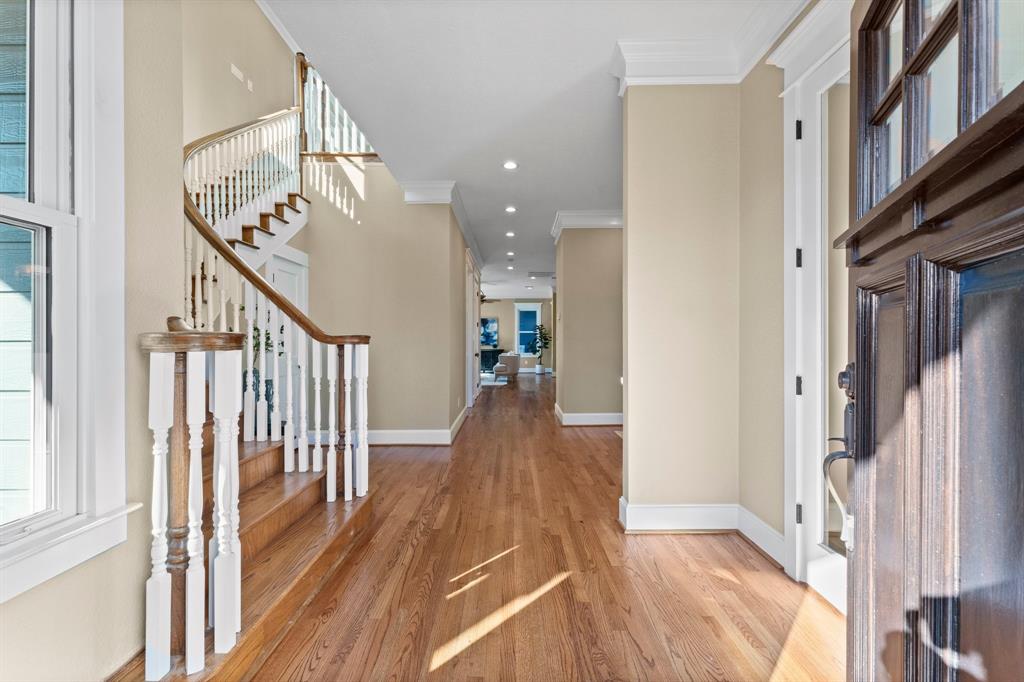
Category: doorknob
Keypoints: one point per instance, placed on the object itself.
(846, 381)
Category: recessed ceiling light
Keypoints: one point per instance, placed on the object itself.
(529, 287)
(510, 268)
(533, 277)
(510, 165)
(510, 209)
(511, 253)
(510, 234)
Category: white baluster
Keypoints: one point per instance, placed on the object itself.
(195, 576)
(200, 284)
(235, 359)
(261, 385)
(348, 421)
(225, 597)
(332, 423)
(363, 460)
(189, 275)
(289, 412)
(317, 366)
(158, 585)
(208, 273)
(236, 299)
(274, 347)
(222, 287)
(249, 399)
(303, 400)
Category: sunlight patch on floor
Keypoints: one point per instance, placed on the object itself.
(470, 584)
(481, 628)
(805, 646)
(484, 563)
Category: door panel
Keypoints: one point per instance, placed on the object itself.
(991, 470)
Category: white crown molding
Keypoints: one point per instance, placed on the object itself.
(825, 29)
(443, 192)
(293, 45)
(704, 61)
(565, 220)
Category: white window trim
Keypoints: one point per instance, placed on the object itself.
(98, 126)
(536, 307)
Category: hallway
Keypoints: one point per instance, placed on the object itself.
(501, 558)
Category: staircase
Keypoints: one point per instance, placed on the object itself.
(259, 417)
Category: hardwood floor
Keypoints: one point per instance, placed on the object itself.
(502, 558)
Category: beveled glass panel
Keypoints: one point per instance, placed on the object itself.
(1008, 47)
(930, 11)
(894, 43)
(940, 99)
(892, 150)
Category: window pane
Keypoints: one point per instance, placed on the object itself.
(13, 98)
(24, 488)
(894, 43)
(1008, 47)
(940, 87)
(527, 320)
(892, 144)
(931, 11)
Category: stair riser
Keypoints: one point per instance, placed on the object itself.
(263, 532)
(251, 472)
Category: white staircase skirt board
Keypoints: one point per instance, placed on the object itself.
(587, 418)
(702, 517)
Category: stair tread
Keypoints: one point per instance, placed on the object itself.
(274, 216)
(258, 502)
(285, 204)
(300, 196)
(286, 564)
(260, 228)
(236, 242)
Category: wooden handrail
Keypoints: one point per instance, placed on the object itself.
(228, 254)
(181, 338)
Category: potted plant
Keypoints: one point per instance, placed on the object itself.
(540, 343)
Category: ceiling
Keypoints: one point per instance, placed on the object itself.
(447, 90)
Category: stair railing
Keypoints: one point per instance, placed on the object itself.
(230, 178)
(327, 127)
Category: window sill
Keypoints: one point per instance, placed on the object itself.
(42, 555)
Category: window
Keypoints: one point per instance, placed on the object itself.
(1006, 57)
(62, 356)
(527, 319)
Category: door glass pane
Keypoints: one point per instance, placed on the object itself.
(894, 43)
(1008, 47)
(13, 98)
(24, 488)
(931, 11)
(892, 145)
(940, 89)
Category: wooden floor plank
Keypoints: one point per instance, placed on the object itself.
(501, 558)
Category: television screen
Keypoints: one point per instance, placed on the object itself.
(488, 331)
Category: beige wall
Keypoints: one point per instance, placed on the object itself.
(382, 267)
(219, 33)
(681, 191)
(86, 622)
(761, 262)
(588, 265)
(505, 310)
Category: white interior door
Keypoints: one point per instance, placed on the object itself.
(472, 331)
(288, 271)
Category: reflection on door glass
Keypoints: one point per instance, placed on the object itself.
(892, 135)
(940, 98)
(894, 43)
(1008, 49)
(931, 11)
(13, 98)
(20, 473)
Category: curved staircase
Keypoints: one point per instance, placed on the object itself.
(260, 477)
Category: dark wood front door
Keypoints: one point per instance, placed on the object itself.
(936, 256)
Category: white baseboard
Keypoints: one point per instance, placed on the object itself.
(701, 517)
(771, 541)
(587, 418)
(456, 426)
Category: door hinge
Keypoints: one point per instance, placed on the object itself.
(799, 385)
(799, 129)
(799, 258)
(799, 513)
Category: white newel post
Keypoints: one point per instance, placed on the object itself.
(348, 421)
(261, 385)
(249, 401)
(158, 586)
(303, 451)
(317, 362)
(289, 411)
(362, 376)
(332, 423)
(224, 403)
(274, 361)
(234, 358)
(195, 575)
